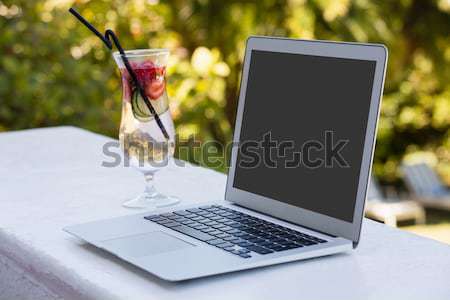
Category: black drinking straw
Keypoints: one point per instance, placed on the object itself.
(109, 34)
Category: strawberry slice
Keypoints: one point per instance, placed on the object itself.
(150, 77)
(155, 89)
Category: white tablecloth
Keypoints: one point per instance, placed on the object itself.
(50, 178)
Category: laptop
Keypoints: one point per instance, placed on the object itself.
(299, 170)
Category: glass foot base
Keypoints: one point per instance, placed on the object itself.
(151, 202)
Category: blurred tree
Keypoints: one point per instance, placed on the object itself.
(53, 71)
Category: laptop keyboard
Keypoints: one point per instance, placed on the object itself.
(234, 231)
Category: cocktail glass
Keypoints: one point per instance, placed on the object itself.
(141, 139)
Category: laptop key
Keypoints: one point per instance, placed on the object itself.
(171, 224)
(293, 246)
(215, 232)
(167, 215)
(258, 233)
(209, 215)
(212, 223)
(222, 220)
(278, 240)
(259, 250)
(242, 227)
(245, 255)
(203, 213)
(314, 239)
(200, 227)
(245, 244)
(282, 242)
(246, 236)
(229, 249)
(276, 232)
(285, 248)
(224, 245)
(220, 226)
(190, 216)
(308, 243)
(226, 228)
(163, 221)
(215, 242)
(237, 241)
(228, 223)
(222, 235)
(225, 214)
(288, 236)
(278, 248)
(195, 224)
(181, 212)
(304, 242)
(208, 222)
(256, 240)
(229, 238)
(193, 233)
(264, 243)
(271, 246)
(159, 219)
(205, 221)
(188, 222)
(239, 234)
(243, 250)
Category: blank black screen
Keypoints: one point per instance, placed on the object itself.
(300, 98)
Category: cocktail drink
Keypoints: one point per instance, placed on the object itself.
(144, 145)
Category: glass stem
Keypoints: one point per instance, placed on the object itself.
(150, 189)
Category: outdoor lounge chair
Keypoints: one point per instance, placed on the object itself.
(390, 211)
(426, 186)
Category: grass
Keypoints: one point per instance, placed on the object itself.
(437, 226)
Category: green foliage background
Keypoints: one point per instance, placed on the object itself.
(53, 71)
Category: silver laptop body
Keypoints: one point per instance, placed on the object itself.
(175, 256)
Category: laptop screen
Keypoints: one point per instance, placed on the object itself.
(303, 130)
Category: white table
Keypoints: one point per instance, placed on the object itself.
(52, 177)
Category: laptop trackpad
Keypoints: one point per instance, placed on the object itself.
(145, 244)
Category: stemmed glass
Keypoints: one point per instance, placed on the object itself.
(141, 139)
